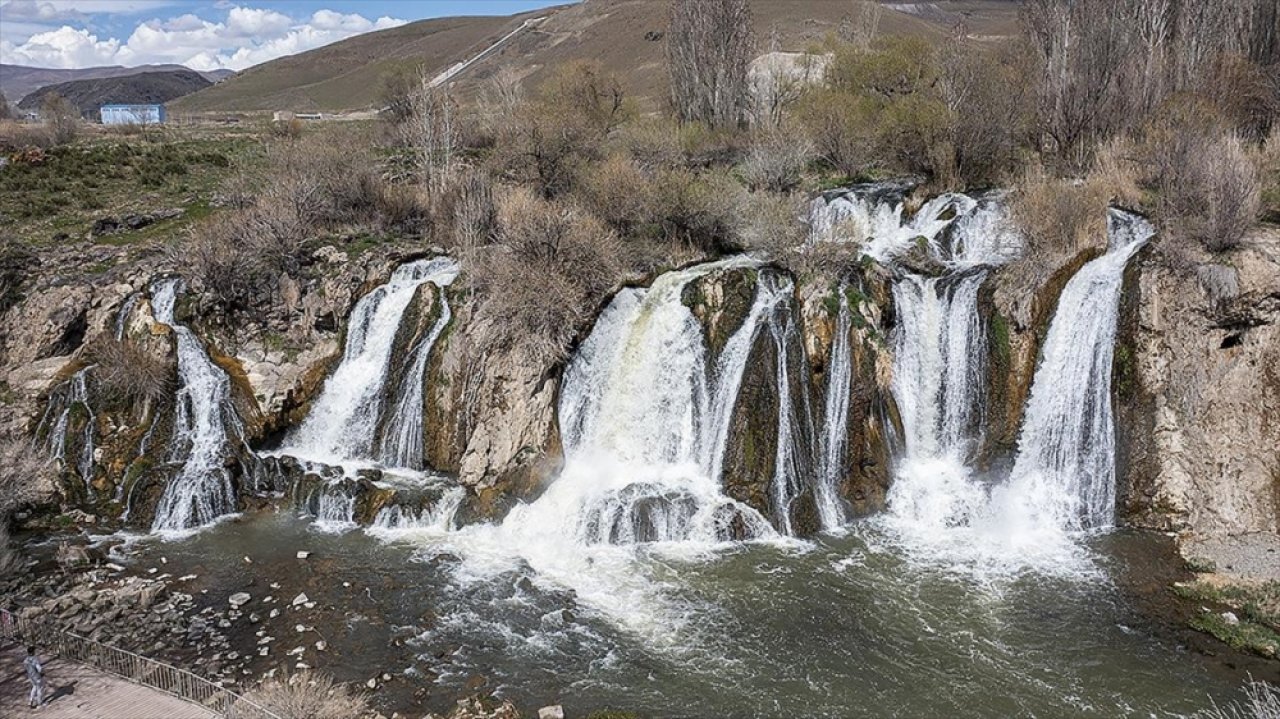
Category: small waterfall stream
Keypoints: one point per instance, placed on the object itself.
(1065, 470)
(835, 421)
(57, 420)
(201, 491)
(343, 423)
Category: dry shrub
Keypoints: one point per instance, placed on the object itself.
(127, 374)
(702, 210)
(1204, 175)
(619, 192)
(467, 210)
(61, 118)
(1261, 701)
(1269, 170)
(1117, 166)
(772, 224)
(551, 266)
(1060, 217)
(554, 137)
(777, 158)
(306, 695)
(290, 129)
(15, 136)
(653, 142)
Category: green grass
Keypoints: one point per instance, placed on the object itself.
(114, 177)
(1257, 606)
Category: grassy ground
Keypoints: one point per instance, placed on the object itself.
(111, 175)
(1253, 622)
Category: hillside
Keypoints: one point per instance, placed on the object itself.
(348, 74)
(142, 88)
(18, 81)
(624, 35)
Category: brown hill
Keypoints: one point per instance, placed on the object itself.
(626, 36)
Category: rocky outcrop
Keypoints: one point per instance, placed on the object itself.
(1198, 377)
(872, 421)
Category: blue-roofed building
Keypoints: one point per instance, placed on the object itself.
(131, 114)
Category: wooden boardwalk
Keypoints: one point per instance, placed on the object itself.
(81, 692)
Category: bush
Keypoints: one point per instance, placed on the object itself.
(619, 192)
(777, 159)
(1059, 217)
(702, 210)
(1262, 701)
(1205, 178)
(468, 212)
(61, 118)
(305, 695)
(550, 267)
(128, 375)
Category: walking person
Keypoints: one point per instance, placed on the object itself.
(35, 674)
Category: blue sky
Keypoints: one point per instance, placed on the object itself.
(205, 34)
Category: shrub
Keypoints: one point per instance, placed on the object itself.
(15, 259)
(61, 118)
(1059, 217)
(702, 210)
(306, 695)
(550, 266)
(619, 192)
(654, 143)
(1262, 701)
(468, 212)
(1206, 179)
(128, 375)
(777, 159)
(16, 137)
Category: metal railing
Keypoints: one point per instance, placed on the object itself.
(133, 667)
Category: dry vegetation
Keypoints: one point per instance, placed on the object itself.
(126, 375)
(306, 695)
(556, 194)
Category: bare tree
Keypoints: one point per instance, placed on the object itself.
(431, 130)
(62, 118)
(779, 80)
(860, 25)
(709, 48)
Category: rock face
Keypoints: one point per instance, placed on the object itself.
(1198, 381)
(491, 419)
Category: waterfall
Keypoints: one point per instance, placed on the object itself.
(122, 317)
(343, 422)
(835, 421)
(56, 422)
(872, 216)
(402, 441)
(644, 419)
(794, 442)
(201, 491)
(1064, 473)
(436, 518)
(939, 367)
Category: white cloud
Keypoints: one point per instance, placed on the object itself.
(246, 36)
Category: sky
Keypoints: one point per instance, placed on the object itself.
(205, 34)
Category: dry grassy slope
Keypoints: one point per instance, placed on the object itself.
(347, 75)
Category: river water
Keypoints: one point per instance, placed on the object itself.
(854, 625)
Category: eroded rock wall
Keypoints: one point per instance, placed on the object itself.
(1198, 377)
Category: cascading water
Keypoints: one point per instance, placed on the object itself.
(1064, 474)
(402, 441)
(122, 317)
(343, 423)
(201, 491)
(640, 405)
(794, 443)
(56, 422)
(835, 421)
